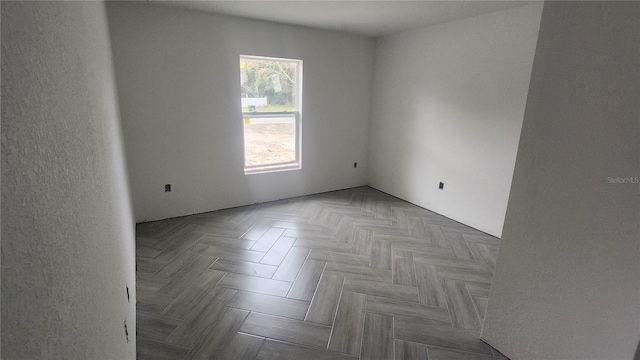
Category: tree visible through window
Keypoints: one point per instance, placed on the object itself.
(271, 97)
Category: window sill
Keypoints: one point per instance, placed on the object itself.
(272, 168)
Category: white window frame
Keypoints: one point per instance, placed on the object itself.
(282, 166)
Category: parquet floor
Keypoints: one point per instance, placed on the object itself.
(341, 275)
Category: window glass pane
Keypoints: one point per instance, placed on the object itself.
(269, 140)
(268, 85)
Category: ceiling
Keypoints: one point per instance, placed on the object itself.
(370, 18)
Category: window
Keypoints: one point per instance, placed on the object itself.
(271, 91)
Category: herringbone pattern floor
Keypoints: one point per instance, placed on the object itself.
(341, 275)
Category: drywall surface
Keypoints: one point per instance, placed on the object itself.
(68, 249)
(447, 107)
(178, 80)
(567, 280)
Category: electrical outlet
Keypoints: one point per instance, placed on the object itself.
(441, 186)
(167, 188)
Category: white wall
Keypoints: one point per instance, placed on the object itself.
(567, 281)
(178, 83)
(67, 227)
(447, 106)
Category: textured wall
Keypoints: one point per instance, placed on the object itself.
(179, 88)
(67, 234)
(448, 106)
(567, 280)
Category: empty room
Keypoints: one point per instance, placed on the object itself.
(320, 180)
